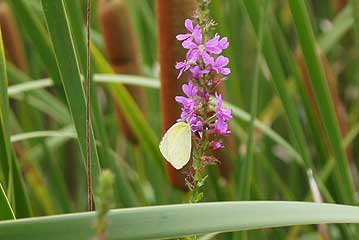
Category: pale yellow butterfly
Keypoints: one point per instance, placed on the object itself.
(176, 145)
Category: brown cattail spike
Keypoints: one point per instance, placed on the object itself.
(11, 37)
(170, 21)
(122, 51)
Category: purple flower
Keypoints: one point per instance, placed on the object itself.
(196, 49)
(222, 113)
(216, 144)
(221, 127)
(195, 32)
(185, 115)
(197, 72)
(219, 64)
(223, 43)
(189, 103)
(206, 97)
(209, 160)
(190, 89)
(196, 125)
(182, 66)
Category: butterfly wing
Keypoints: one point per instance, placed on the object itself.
(176, 145)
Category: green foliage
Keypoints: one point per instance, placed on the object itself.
(163, 222)
(6, 210)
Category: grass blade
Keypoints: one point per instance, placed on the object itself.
(322, 96)
(6, 159)
(246, 171)
(11, 171)
(70, 76)
(6, 211)
(74, 14)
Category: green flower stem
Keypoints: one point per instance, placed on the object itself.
(196, 194)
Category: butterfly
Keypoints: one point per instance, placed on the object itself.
(176, 144)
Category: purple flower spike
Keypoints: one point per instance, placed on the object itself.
(206, 68)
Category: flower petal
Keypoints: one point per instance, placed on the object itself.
(181, 37)
(189, 44)
(189, 24)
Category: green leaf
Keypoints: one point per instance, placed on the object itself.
(123, 193)
(174, 221)
(6, 158)
(6, 211)
(100, 78)
(70, 76)
(9, 164)
(42, 134)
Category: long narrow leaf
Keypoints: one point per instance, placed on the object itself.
(121, 189)
(174, 221)
(70, 76)
(9, 164)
